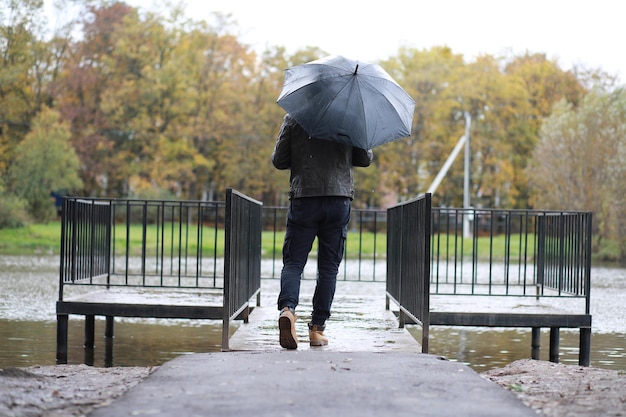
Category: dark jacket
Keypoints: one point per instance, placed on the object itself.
(318, 167)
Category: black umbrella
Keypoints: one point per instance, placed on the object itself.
(347, 101)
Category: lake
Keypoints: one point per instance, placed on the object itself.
(29, 288)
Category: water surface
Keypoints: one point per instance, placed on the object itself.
(29, 290)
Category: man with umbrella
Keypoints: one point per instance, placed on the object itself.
(321, 189)
(338, 109)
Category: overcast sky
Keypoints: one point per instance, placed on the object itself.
(591, 32)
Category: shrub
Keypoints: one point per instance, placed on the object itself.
(13, 211)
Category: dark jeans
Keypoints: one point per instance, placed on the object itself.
(324, 217)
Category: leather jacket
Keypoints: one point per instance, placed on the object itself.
(318, 167)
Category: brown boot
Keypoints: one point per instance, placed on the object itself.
(287, 329)
(316, 335)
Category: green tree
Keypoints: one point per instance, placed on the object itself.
(13, 210)
(579, 162)
(44, 162)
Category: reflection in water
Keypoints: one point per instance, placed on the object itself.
(485, 349)
(150, 344)
(32, 343)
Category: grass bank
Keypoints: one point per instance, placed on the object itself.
(38, 239)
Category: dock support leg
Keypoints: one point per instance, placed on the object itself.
(425, 337)
(535, 344)
(108, 352)
(246, 314)
(554, 344)
(90, 324)
(62, 323)
(89, 345)
(225, 333)
(108, 328)
(585, 347)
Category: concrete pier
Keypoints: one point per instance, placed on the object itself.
(370, 368)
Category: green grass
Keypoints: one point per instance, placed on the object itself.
(31, 240)
(486, 247)
(45, 239)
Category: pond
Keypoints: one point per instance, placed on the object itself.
(29, 288)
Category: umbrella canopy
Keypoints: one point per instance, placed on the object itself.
(347, 101)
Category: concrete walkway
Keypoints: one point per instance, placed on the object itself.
(370, 368)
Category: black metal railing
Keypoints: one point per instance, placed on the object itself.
(531, 253)
(511, 252)
(408, 261)
(242, 255)
(142, 243)
(85, 248)
(564, 253)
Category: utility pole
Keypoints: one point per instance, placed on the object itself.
(466, 178)
(463, 140)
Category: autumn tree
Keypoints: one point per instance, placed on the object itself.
(498, 105)
(544, 84)
(407, 166)
(79, 93)
(19, 28)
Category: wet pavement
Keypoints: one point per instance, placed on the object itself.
(369, 368)
(359, 321)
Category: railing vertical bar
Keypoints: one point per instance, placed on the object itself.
(275, 211)
(113, 236)
(162, 249)
(199, 243)
(91, 237)
(157, 238)
(127, 241)
(447, 247)
(507, 250)
(215, 224)
(465, 213)
(475, 252)
(180, 241)
(63, 246)
(144, 236)
(561, 253)
(187, 219)
(109, 231)
(491, 226)
(172, 245)
(360, 243)
(375, 227)
(456, 251)
(587, 257)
